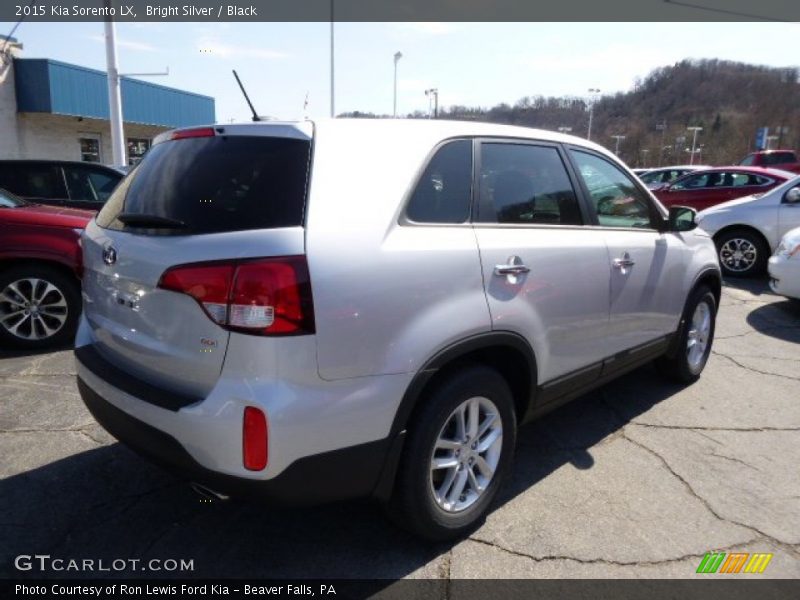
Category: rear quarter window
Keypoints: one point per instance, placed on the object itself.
(216, 184)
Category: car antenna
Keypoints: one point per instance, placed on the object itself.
(246, 97)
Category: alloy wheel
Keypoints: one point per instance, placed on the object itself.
(32, 309)
(466, 454)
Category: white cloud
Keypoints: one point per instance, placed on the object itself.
(127, 44)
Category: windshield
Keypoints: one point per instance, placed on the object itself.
(9, 200)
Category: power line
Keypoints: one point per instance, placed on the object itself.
(726, 11)
(13, 29)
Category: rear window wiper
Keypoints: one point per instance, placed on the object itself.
(149, 221)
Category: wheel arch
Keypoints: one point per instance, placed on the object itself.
(9, 262)
(508, 353)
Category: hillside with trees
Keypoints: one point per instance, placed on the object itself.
(729, 100)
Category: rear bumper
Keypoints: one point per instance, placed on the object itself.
(341, 474)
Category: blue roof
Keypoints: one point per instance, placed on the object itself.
(51, 86)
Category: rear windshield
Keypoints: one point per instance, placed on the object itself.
(214, 184)
(778, 158)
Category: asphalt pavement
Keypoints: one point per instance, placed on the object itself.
(638, 479)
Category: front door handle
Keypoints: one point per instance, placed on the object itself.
(624, 262)
(514, 266)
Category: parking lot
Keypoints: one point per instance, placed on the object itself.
(638, 479)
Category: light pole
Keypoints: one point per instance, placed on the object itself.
(592, 100)
(645, 152)
(694, 141)
(434, 93)
(619, 138)
(333, 110)
(397, 56)
(114, 94)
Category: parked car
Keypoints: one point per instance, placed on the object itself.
(712, 186)
(747, 230)
(377, 320)
(61, 183)
(40, 266)
(655, 178)
(784, 266)
(776, 159)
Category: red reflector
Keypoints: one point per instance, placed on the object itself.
(192, 133)
(254, 446)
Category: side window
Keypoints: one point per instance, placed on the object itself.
(89, 185)
(616, 200)
(691, 183)
(40, 181)
(525, 184)
(443, 192)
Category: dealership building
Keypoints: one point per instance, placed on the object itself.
(58, 111)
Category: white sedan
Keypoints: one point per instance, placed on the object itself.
(784, 266)
(747, 230)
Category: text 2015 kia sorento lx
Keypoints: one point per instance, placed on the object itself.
(356, 307)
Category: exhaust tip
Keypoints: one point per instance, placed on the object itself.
(207, 493)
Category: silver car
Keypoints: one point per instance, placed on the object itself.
(325, 310)
(747, 230)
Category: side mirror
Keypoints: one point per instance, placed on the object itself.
(681, 218)
(793, 195)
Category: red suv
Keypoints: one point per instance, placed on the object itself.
(40, 267)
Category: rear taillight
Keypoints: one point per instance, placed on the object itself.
(254, 439)
(264, 296)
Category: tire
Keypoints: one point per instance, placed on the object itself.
(59, 298)
(742, 253)
(414, 505)
(689, 362)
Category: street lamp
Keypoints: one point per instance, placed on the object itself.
(397, 56)
(619, 138)
(592, 99)
(433, 92)
(694, 141)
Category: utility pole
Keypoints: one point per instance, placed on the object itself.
(114, 94)
(662, 127)
(433, 93)
(592, 100)
(694, 141)
(397, 56)
(619, 138)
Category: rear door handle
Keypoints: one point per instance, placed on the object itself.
(624, 262)
(514, 266)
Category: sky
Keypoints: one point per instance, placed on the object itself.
(474, 64)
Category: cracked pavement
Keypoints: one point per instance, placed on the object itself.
(639, 479)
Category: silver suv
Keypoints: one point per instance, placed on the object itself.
(317, 311)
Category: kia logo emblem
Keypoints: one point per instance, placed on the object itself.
(109, 255)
